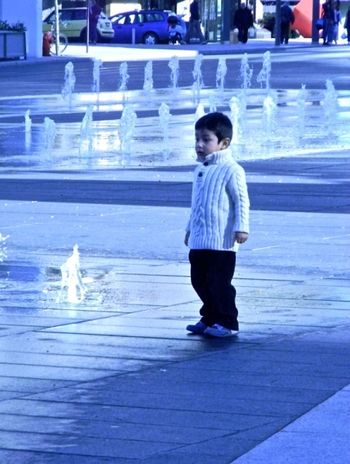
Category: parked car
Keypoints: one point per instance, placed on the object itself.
(149, 26)
(73, 24)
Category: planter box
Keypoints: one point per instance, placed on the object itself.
(12, 45)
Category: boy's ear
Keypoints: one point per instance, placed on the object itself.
(225, 142)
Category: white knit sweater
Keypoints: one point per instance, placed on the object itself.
(220, 203)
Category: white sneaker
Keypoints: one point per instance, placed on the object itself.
(218, 330)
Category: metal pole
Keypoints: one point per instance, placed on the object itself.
(278, 23)
(87, 25)
(57, 28)
(315, 15)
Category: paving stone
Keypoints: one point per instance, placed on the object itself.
(110, 448)
(27, 457)
(100, 429)
(138, 415)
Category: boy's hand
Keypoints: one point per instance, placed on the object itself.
(187, 236)
(241, 237)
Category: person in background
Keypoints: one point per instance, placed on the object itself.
(94, 13)
(177, 29)
(287, 18)
(243, 20)
(337, 18)
(347, 24)
(194, 29)
(328, 16)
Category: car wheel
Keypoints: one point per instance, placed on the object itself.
(150, 38)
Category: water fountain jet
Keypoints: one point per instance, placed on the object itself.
(127, 129)
(148, 79)
(174, 75)
(49, 133)
(265, 72)
(246, 72)
(221, 74)
(197, 77)
(69, 83)
(71, 280)
(96, 76)
(124, 76)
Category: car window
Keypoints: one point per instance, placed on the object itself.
(152, 17)
(51, 18)
(80, 15)
(136, 18)
(139, 18)
(125, 19)
(66, 15)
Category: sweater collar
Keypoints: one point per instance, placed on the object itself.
(216, 157)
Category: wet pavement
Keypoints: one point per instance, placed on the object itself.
(116, 378)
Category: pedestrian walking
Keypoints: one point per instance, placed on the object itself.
(287, 18)
(347, 24)
(337, 18)
(194, 31)
(243, 20)
(218, 223)
(94, 13)
(328, 16)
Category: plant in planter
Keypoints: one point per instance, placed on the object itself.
(12, 40)
(16, 27)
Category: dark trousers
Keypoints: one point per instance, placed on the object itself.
(285, 29)
(328, 31)
(211, 275)
(243, 34)
(93, 32)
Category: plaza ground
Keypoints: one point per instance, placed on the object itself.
(116, 378)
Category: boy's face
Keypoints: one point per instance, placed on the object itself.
(207, 142)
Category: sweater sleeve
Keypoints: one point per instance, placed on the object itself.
(188, 225)
(238, 191)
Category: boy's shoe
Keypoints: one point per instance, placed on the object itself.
(198, 328)
(218, 330)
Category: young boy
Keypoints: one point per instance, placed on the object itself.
(219, 222)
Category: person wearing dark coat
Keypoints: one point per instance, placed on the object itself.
(347, 24)
(243, 20)
(287, 18)
(94, 13)
(194, 30)
(328, 16)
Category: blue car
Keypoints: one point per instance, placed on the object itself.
(141, 26)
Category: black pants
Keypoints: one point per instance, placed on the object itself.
(211, 275)
(243, 34)
(285, 32)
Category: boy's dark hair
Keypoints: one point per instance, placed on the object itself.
(216, 122)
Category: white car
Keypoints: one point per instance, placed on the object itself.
(73, 24)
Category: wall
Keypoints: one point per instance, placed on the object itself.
(29, 13)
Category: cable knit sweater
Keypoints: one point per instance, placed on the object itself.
(220, 203)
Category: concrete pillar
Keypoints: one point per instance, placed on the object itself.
(226, 19)
(29, 13)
